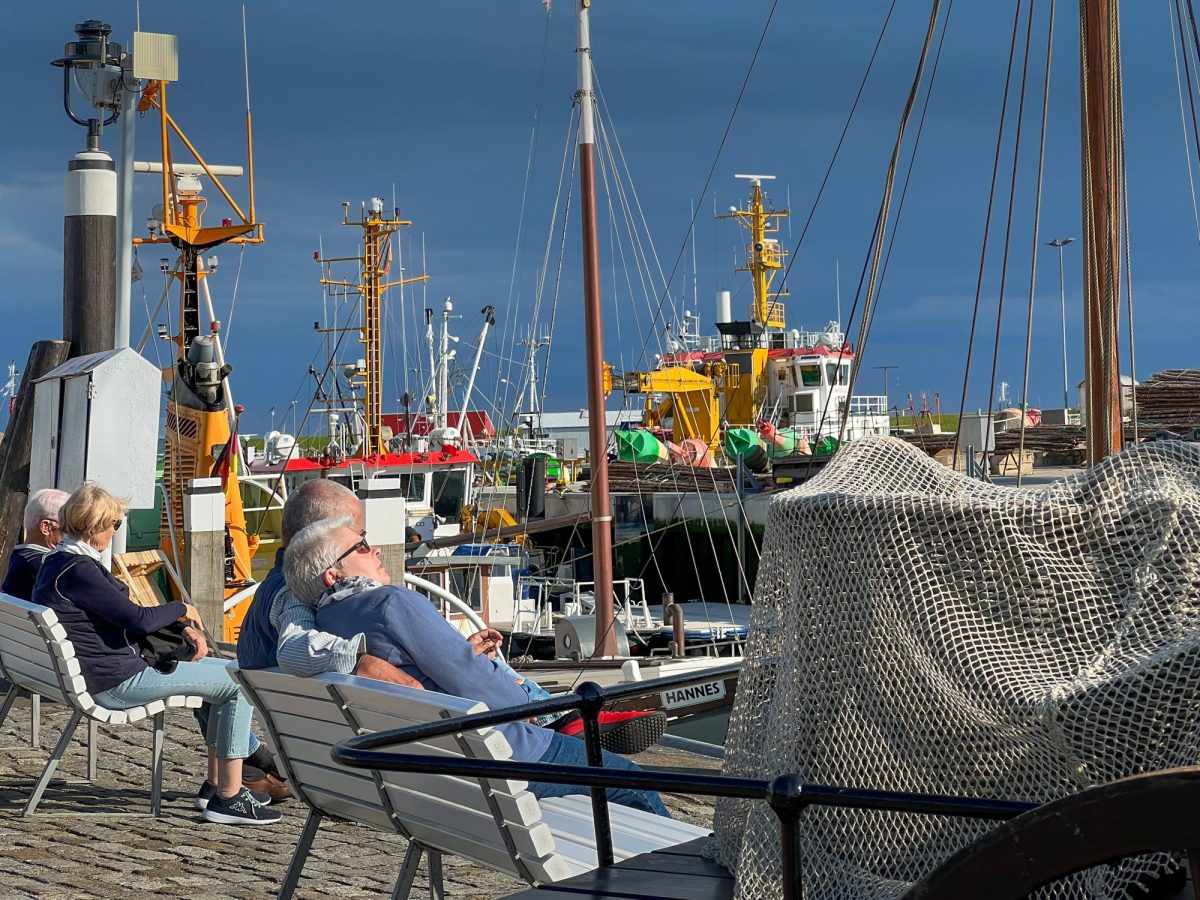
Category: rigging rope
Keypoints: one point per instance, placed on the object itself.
(1012, 196)
(987, 227)
(1037, 221)
(1183, 122)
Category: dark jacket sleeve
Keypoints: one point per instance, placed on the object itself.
(87, 586)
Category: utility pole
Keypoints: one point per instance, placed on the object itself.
(1059, 243)
(886, 405)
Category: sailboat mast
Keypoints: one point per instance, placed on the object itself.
(1102, 206)
(606, 642)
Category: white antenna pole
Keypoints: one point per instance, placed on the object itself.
(443, 400)
(695, 277)
(837, 268)
(488, 321)
(789, 218)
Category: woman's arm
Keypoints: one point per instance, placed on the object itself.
(85, 585)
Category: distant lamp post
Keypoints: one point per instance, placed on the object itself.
(1059, 243)
(886, 405)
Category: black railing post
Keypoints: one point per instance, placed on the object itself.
(593, 700)
(785, 794)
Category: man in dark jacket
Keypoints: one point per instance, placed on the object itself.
(42, 534)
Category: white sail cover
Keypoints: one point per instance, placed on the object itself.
(916, 630)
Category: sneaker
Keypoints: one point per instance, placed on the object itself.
(240, 809)
(623, 732)
(208, 790)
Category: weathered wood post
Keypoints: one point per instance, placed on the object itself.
(204, 562)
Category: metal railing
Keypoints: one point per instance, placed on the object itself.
(787, 795)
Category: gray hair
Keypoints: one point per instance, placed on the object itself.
(309, 555)
(313, 501)
(43, 504)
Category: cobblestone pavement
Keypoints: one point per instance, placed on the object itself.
(69, 851)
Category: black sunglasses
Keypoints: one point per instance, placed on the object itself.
(361, 547)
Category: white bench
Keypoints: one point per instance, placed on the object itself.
(496, 823)
(37, 656)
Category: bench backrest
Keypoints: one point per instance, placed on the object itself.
(27, 634)
(496, 822)
(498, 825)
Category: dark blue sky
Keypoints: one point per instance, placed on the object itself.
(435, 102)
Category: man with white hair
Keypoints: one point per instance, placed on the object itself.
(330, 567)
(42, 534)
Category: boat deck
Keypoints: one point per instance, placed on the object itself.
(70, 852)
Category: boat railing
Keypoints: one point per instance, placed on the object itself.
(788, 795)
(868, 405)
(632, 607)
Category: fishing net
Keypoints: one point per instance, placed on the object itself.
(915, 630)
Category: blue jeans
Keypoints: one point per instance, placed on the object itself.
(569, 751)
(229, 714)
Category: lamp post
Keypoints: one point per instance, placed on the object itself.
(1059, 243)
(886, 369)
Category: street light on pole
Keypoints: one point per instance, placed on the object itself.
(1059, 243)
(886, 404)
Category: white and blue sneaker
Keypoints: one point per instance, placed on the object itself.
(240, 809)
(208, 790)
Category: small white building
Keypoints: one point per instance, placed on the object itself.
(571, 428)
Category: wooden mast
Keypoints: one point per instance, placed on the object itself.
(606, 642)
(1103, 202)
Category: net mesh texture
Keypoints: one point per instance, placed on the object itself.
(917, 630)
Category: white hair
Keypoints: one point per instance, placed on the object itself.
(310, 553)
(43, 504)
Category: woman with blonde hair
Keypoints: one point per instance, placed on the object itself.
(104, 625)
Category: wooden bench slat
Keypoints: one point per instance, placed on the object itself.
(331, 803)
(36, 655)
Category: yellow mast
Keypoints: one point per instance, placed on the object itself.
(764, 256)
(200, 417)
(373, 264)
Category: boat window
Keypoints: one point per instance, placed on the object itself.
(803, 402)
(449, 493)
(832, 370)
(810, 376)
(412, 485)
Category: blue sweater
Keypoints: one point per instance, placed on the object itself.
(99, 618)
(23, 567)
(403, 627)
(258, 639)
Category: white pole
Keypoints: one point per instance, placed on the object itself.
(124, 259)
(443, 400)
(488, 321)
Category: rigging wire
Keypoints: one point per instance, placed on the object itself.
(987, 227)
(1012, 194)
(1037, 221)
(1183, 122)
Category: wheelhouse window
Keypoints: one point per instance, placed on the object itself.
(449, 493)
(810, 376)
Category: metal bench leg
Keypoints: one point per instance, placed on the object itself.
(300, 855)
(35, 721)
(408, 871)
(59, 749)
(93, 755)
(156, 765)
(436, 889)
(9, 699)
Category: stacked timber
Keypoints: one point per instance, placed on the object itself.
(1170, 400)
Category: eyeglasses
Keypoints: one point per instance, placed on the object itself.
(116, 525)
(361, 547)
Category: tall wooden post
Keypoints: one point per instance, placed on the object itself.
(1103, 203)
(602, 549)
(18, 440)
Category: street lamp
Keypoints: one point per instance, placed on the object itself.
(886, 369)
(1059, 243)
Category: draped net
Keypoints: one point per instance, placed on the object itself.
(916, 630)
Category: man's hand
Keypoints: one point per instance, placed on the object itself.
(382, 670)
(487, 641)
(195, 637)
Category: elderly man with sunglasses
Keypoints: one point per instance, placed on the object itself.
(42, 534)
(330, 566)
